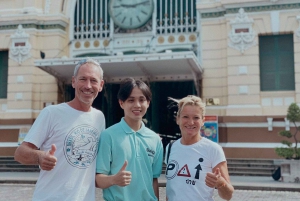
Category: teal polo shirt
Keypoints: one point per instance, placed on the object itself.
(144, 152)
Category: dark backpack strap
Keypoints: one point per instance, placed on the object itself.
(169, 150)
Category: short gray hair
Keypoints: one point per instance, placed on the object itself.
(87, 60)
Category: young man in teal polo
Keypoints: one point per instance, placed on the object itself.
(130, 155)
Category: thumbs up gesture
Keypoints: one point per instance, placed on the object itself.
(52, 150)
(123, 177)
(214, 179)
(47, 160)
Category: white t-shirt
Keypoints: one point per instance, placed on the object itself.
(187, 169)
(76, 136)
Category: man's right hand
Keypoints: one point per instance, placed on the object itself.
(123, 177)
(47, 160)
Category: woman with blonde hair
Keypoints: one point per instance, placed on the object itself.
(195, 165)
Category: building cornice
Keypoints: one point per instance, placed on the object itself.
(220, 10)
(36, 22)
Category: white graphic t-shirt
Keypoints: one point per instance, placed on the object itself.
(76, 136)
(187, 168)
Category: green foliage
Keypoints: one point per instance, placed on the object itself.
(293, 115)
(285, 152)
(288, 143)
(287, 134)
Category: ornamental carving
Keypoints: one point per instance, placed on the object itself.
(242, 35)
(20, 46)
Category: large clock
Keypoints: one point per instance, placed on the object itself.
(130, 14)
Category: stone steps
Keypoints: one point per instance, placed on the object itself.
(8, 164)
(21, 169)
(238, 167)
(250, 167)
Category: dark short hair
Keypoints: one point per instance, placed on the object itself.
(127, 86)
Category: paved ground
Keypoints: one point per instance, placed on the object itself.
(23, 192)
(239, 182)
(19, 186)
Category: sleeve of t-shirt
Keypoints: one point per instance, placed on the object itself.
(104, 157)
(158, 160)
(102, 122)
(40, 129)
(218, 154)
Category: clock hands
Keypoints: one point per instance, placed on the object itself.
(131, 14)
(134, 5)
(144, 2)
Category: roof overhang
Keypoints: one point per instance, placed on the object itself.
(169, 66)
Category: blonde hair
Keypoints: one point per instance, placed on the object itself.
(189, 100)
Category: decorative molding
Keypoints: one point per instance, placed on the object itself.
(287, 124)
(213, 14)
(266, 102)
(31, 10)
(20, 79)
(255, 145)
(270, 124)
(277, 101)
(276, 7)
(19, 96)
(34, 26)
(4, 107)
(265, 8)
(47, 6)
(277, 124)
(298, 30)
(242, 35)
(20, 46)
(243, 70)
(9, 144)
(243, 89)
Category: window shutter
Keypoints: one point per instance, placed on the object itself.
(3, 73)
(276, 56)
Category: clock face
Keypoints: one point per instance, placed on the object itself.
(130, 14)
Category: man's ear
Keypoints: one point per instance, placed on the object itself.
(101, 85)
(73, 81)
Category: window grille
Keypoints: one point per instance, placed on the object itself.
(176, 16)
(276, 57)
(91, 19)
